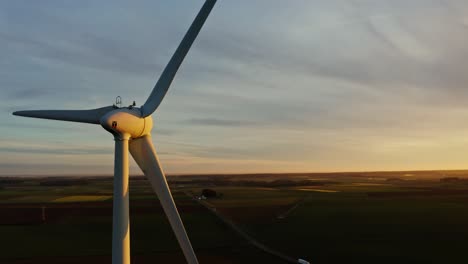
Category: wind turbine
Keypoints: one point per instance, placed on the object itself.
(131, 128)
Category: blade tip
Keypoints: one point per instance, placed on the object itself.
(20, 113)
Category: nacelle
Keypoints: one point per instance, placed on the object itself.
(125, 122)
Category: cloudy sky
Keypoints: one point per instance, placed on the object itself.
(269, 86)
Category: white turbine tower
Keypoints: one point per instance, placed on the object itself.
(131, 127)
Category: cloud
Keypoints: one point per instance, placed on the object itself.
(57, 151)
(219, 122)
(335, 84)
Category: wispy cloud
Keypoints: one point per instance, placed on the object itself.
(220, 122)
(57, 151)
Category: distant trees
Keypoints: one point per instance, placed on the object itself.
(10, 181)
(450, 179)
(63, 182)
(292, 183)
(253, 183)
(394, 180)
(209, 193)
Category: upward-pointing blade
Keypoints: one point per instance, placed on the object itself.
(91, 116)
(143, 152)
(165, 80)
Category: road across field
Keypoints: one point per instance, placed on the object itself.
(243, 234)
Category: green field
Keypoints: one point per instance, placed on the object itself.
(330, 219)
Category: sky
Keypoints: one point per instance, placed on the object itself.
(269, 85)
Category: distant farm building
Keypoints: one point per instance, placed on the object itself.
(209, 193)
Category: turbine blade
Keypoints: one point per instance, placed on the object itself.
(91, 116)
(143, 152)
(165, 80)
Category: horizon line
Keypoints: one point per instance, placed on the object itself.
(236, 174)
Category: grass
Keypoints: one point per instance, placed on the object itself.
(351, 226)
(343, 227)
(412, 225)
(75, 231)
(82, 198)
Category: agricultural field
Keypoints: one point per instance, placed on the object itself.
(401, 217)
